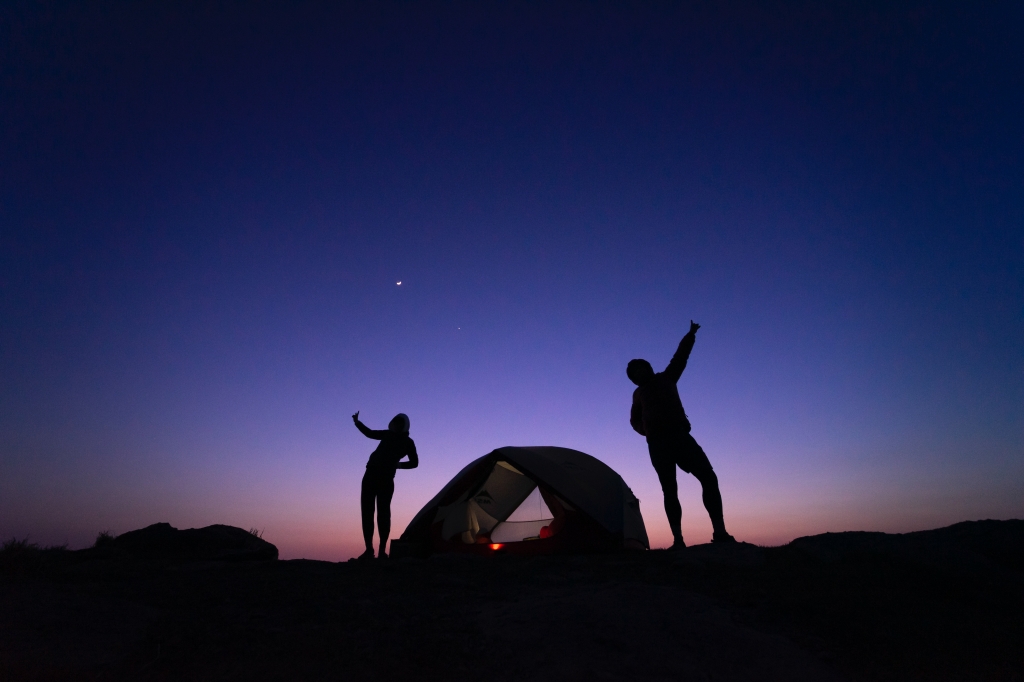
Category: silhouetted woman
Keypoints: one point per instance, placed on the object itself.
(379, 479)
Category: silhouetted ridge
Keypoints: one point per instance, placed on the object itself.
(163, 542)
(965, 546)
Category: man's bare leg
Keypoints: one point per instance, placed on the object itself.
(712, 498)
(673, 510)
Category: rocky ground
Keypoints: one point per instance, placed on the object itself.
(939, 605)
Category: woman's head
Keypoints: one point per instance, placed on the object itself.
(400, 423)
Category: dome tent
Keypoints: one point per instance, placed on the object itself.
(528, 500)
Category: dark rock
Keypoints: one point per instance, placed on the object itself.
(968, 547)
(722, 554)
(838, 546)
(1001, 542)
(846, 606)
(162, 542)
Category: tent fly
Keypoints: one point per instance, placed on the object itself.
(528, 500)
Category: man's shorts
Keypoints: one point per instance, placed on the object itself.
(680, 450)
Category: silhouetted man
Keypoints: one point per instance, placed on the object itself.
(379, 479)
(658, 414)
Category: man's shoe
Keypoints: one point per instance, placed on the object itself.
(722, 537)
(368, 554)
(677, 545)
(382, 555)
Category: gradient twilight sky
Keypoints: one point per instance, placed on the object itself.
(204, 211)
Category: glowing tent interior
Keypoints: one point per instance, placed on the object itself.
(530, 500)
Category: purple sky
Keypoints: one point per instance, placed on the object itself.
(204, 214)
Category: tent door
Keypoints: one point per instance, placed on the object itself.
(526, 522)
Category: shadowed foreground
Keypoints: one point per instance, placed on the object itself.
(936, 605)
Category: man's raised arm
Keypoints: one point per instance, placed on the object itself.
(678, 363)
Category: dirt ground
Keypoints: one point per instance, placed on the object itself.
(833, 607)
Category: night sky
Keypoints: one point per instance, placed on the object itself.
(205, 210)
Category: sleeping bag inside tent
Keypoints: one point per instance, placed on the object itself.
(533, 500)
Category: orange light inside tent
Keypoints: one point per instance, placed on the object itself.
(496, 546)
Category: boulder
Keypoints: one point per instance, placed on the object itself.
(165, 543)
(969, 547)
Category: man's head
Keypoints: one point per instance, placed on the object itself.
(400, 423)
(639, 371)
